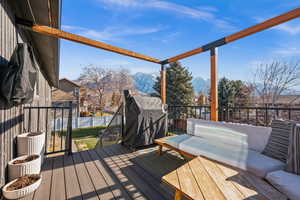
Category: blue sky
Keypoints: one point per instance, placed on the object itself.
(165, 28)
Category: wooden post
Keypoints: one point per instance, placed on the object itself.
(214, 84)
(178, 195)
(163, 85)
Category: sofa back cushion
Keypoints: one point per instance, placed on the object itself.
(293, 158)
(255, 137)
(277, 146)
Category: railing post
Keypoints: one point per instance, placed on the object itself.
(227, 113)
(123, 120)
(69, 129)
(266, 116)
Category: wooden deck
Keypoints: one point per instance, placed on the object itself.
(107, 173)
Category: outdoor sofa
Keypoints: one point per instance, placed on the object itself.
(237, 145)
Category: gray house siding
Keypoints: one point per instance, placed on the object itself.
(12, 120)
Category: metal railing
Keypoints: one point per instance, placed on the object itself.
(113, 133)
(259, 116)
(41, 119)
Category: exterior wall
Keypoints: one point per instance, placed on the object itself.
(12, 120)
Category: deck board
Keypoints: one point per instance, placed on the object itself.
(86, 186)
(100, 185)
(107, 173)
(115, 172)
(72, 183)
(116, 187)
(119, 169)
(44, 190)
(152, 180)
(58, 190)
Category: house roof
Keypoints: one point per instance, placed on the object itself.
(72, 82)
(59, 95)
(47, 49)
(282, 99)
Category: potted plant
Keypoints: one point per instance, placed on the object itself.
(22, 186)
(31, 143)
(20, 166)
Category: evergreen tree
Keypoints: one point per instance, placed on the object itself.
(233, 93)
(226, 92)
(179, 85)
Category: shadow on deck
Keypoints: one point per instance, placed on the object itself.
(112, 172)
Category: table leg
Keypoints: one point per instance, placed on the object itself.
(159, 150)
(178, 195)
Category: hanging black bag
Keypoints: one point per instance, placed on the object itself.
(18, 77)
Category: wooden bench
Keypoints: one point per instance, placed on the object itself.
(204, 179)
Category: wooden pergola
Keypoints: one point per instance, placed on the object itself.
(212, 47)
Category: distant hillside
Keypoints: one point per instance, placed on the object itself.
(144, 82)
(201, 85)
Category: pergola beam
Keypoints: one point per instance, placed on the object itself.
(53, 32)
(241, 34)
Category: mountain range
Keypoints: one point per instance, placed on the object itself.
(144, 82)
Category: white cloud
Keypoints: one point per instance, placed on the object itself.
(288, 51)
(112, 33)
(170, 37)
(204, 13)
(208, 8)
(70, 28)
(291, 29)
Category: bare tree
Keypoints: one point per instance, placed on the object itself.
(122, 81)
(98, 78)
(272, 79)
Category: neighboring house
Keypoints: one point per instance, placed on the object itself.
(67, 85)
(68, 91)
(283, 100)
(46, 51)
(202, 99)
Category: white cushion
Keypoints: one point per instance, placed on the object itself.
(285, 182)
(234, 155)
(255, 136)
(261, 165)
(176, 140)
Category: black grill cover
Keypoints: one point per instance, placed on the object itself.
(145, 120)
(18, 77)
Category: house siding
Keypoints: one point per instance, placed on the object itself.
(12, 119)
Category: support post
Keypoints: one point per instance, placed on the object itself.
(163, 85)
(214, 84)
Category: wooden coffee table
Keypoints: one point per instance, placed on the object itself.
(204, 179)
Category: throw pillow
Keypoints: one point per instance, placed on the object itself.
(293, 159)
(277, 146)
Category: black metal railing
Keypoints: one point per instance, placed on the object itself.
(113, 133)
(44, 119)
(259, 116)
